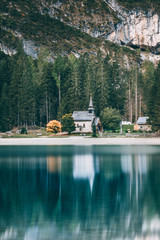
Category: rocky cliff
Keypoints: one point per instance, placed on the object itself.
(65, 26)
(138, 28)
(60, 26)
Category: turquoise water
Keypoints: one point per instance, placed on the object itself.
(75, 192)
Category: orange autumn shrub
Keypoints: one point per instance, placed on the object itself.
(53, 126)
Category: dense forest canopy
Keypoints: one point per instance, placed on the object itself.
(33, 92)
(143, 4)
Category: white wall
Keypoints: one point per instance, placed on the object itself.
(144, 127)
(87, 128)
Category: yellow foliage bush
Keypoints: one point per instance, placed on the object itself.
(53, 126)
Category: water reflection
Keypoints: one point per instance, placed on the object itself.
(79, 193)
(54, 164)
(84, 167)
(136, 166)
(134, 162)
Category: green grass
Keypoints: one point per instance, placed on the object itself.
(128, 135)
(20, 136)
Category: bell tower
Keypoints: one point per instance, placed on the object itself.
(91, 108)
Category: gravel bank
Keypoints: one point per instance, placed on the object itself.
(79, 141)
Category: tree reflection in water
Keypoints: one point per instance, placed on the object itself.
(64, 194)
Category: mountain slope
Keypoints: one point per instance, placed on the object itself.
(68, 26)
(45, 24)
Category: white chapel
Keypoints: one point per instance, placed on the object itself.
(84, 120)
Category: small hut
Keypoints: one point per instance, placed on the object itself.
(142, 124)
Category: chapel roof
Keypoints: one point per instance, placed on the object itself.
(83, 116)
(142, 120)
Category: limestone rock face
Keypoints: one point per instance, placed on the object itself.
(95, 19)
(137, 29)
(7, 50)
(54, 23)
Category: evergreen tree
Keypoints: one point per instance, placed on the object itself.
(68, 88)
(21, 91)
(49, 94)
(116, 87)
(5, 78)
(146, 84)
(74, 80)
(83, 83)
(154, 101)
(101, 90)
(4, 109)
(27, 104)
(58, 68)
(14, 89)
(5, 70)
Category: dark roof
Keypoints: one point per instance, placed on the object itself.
(142, 120)
(83, 116)
(96, 121)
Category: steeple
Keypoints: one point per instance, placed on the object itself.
(91, 108)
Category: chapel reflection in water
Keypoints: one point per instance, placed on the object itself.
(90, 196)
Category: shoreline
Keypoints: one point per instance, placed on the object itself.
(80, 141)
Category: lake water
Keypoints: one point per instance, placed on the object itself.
(80, 193)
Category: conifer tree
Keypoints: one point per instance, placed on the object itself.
(5, 78)
(27, 95)
(146, 84)
(49, 94)
(21, 91)
(15, 88)
(4, 109)
(116, 87)
(83, 84)
(74, 80)
(101, 91)
(154, 101)
(67, 88)
(57, 72)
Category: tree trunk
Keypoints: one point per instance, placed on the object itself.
(18, 114)
(47, 107)
(59, 79)
(140, 105)
(130, 103)
(136, 99)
